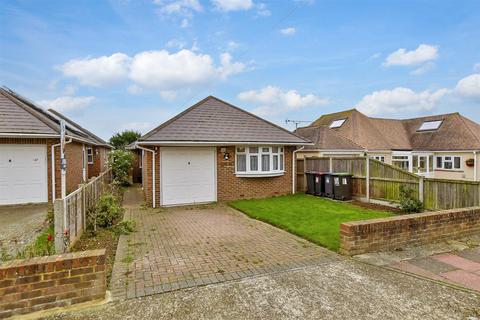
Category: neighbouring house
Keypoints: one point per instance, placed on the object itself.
(214, 151)
(30, 152)
(443, 146)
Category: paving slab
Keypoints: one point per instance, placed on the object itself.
(458, 262)
(433, 265)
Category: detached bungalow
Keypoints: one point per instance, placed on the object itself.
(214, 151)
(443, 146)
(30, 153)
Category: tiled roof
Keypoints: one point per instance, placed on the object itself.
(19, 115)
(214, 120)
(455, 133)
(326, 139)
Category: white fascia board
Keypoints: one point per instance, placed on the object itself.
(28, 135)
(219, 143)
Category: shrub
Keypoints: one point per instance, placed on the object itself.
(408, 202)
(108, 210)
(121, 162)
(125, 227)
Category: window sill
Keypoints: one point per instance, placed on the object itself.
(449, 170)
(259, 174)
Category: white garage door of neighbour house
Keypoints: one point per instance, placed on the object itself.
(188, 175)
(23, 174)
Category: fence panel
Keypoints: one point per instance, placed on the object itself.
(450, 194)
(317, 164)
(300, 176)
(355, 166)
(71, 212)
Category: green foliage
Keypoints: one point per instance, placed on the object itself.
(121, 139)
(44, 245)
(108, 210)
(408, 202)
(125, 227)
(121, 162)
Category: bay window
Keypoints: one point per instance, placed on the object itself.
(259, 160)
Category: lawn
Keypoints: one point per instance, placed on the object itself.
(313, 218)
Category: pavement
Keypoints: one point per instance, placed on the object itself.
(342, 289)
(454, 262)
(20, 225)
(183, 247)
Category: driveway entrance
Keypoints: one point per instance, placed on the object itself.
(184, 247)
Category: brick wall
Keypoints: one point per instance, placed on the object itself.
(99, 165)
(147, 177)
(74, 157)
(408, 230)
(47, 282)
(230, 187)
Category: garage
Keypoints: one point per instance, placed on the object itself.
(188, 175)
(23, 174)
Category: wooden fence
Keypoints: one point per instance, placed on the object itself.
(71, 212)
(373, 179)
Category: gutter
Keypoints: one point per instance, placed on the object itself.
(294, 169)
(153, 172)
(222, 143)
(54, 169)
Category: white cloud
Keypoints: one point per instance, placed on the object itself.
(232, 5)
(469, 86)
(272, 100)
(423, 69)
(376, 55)
(104, 70)
(170, 71)
(400, 100)
(476, 67)
(262, 10)
(178, 7)
(184, 23)
(175, 43)
(232, 45)
(288, 31)
(67, 103)
(402, 57)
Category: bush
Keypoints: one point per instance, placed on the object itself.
(108, 210)
(125, 227)
(121, 162)
(408, 202)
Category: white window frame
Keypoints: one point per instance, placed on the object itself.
(262, 150)
(430, 125)
(89, 155)
(407, 157)
(337, 123)
(451, 160)
(379, 158)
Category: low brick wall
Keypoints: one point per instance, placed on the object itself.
(414, 229)
(47, 282)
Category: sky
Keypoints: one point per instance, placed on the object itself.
(117, 65)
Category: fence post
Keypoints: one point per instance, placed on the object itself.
(58, 212)
(421, 189)
(367, 178)
(331, 165)
(84, 216)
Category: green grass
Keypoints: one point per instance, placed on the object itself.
(313, 218)
(41, 246)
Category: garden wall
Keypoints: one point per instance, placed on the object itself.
(414, 229)
(43, 283)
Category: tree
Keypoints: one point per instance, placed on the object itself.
(121, 162)
(121, 139)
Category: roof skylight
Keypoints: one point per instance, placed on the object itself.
(337, 123)
(430, 125)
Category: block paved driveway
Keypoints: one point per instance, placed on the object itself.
(184, 247)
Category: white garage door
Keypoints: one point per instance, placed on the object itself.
(23, 174)
(187, 175)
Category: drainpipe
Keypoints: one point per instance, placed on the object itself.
(475, 167)
(153, 171)
(53, 168)
(294, 168)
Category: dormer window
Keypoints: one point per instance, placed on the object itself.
(430, 125)
(337, 123)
